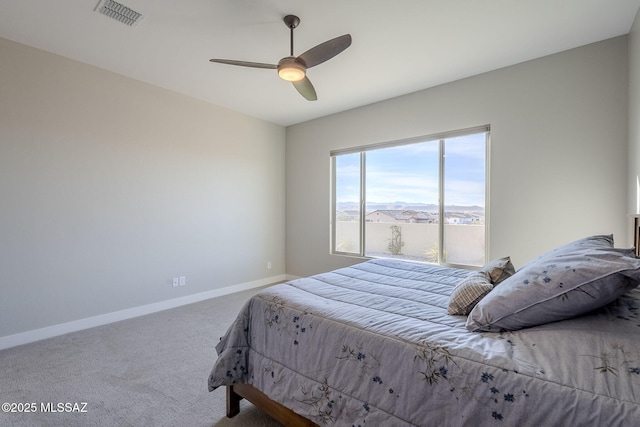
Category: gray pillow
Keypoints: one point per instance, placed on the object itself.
(558, 285)
(597, 241)
(499, 269)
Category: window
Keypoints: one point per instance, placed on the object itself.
(422, 199)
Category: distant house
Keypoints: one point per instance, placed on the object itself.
(348, 215)
(402, 216)
(463, 218)
(414, 217)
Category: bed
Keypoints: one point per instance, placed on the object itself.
(375, 344)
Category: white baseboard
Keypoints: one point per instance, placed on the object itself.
(103, 319)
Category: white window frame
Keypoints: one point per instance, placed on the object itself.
(441, 137)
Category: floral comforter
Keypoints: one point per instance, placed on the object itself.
(372, 345)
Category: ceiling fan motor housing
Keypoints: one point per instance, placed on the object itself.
(291, 70)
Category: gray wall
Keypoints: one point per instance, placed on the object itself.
(558, 152)
(634, 117)
(110, 187)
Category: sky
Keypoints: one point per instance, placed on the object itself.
(409, 173)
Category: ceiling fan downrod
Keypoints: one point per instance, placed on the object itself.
(291, 21)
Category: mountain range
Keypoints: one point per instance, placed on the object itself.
(426, 207)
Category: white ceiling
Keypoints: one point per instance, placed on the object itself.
(398, 46)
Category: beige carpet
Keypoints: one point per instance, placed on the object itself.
(148, 371)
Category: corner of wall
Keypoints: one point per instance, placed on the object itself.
(633, 119)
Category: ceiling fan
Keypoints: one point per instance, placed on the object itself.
(294, 69)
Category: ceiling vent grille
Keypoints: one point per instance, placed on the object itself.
(119, 12)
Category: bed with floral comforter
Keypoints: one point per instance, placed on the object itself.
(373, 345)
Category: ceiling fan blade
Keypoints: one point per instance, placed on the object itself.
(325, 51)
(306, 89)
(245, 63)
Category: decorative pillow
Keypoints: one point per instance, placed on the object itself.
(468, 292)
(559, 285)
(499, 269)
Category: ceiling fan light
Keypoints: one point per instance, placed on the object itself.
(290, 70)
(291, 74)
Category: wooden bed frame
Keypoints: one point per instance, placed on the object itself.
(282, 414)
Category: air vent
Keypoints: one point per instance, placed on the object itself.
(119, 12)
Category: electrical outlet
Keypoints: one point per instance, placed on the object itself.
(176, 282)
(183, 280)
(269, 265)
